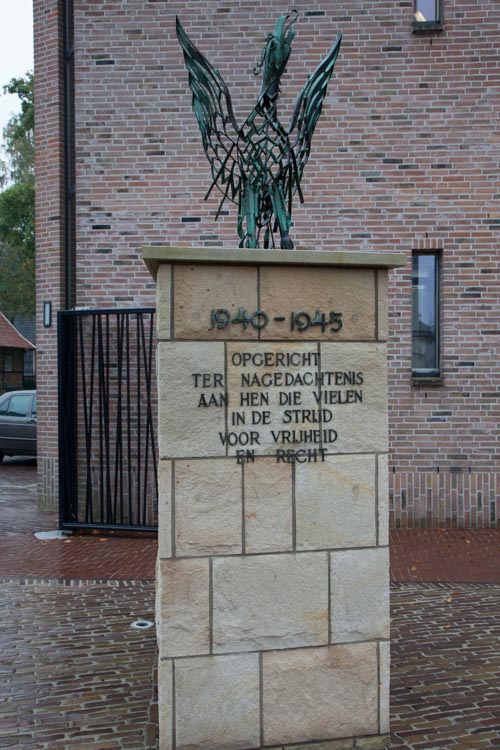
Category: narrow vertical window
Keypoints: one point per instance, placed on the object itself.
(425, 315)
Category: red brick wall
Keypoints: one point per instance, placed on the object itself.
(404, 157)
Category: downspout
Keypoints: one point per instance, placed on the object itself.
(69, 232)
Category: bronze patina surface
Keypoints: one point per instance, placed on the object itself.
(258, 165)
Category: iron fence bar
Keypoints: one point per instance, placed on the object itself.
(147, 353)
(118, 488)
(149, 422)
(143, 355)
(138, 430)
(107, 443)
(101, 417)
(88, 401)
(129, 444)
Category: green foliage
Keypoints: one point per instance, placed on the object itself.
(17, 206)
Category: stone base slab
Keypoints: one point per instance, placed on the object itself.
(376, 742)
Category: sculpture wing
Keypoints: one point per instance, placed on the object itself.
(308, 109)
(214, 112)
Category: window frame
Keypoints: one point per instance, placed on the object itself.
(434, 25)
(429, 375)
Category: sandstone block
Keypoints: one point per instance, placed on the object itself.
(165, 703)
(165, 509)
(385, 680)
(187, 428)
(383, 500)
(202, 288)
(183, 587)
(361, 424)
(208, 507)
(163, 297)
(342, 290)
(268, 506)
(320, 693)
(346, 744)
(217, 702)
(335, 503)
(376, 742)
(270, 602)
(359, 594)
(382, 300)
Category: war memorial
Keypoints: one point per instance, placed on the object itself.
(273, 567)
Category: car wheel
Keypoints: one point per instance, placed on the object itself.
(2, 454)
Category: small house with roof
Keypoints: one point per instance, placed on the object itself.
(13, 346)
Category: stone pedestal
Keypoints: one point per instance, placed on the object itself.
(273, 568)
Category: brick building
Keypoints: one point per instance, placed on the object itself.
(404, 159)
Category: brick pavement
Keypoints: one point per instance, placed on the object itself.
(446, 555)
(416, 555)
(445, 686)
(18, 508)
(75, 675)
(77, 557)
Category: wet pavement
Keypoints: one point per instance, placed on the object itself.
(74, 674)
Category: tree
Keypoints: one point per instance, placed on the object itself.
(17, 206)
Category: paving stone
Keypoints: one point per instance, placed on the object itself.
(466, 555)
(75, 675)
(445, 664)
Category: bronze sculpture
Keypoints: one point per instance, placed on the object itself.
(259, 165)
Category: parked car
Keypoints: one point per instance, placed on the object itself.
(18, 424)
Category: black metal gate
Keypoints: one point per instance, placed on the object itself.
(107, 419)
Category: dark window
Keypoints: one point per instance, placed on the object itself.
(425, 314)
(29, 362)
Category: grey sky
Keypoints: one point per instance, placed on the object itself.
(16, 50)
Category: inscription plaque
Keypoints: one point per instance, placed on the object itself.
(284, 400)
